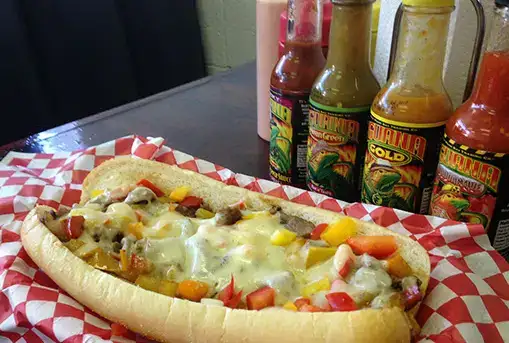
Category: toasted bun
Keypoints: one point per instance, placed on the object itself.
(174, 320)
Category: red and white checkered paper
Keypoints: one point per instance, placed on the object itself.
(467, 300)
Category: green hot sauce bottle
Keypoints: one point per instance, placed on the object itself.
(340, 103)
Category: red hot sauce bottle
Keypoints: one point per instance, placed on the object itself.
(472, 179)
(290, 87)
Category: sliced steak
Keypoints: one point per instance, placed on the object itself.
(228, 216)
(186, 211)
(295, 224)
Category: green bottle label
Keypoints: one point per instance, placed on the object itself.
(288, 137)
(336, 147)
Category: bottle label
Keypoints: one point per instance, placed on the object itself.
(288, 137)
(467, 188)
(336, 147)
(400, 164)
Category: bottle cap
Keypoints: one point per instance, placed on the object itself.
(326, 23)
(376, 16)
(429, 3)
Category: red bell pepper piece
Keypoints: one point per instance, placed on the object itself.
(234, 301)
(228, 292)
(412, 296)
(341, 302)
(317, 232)
(261, 298)
(327, 308)
(192, 202)
(228, 296)
(151, 186)
(311, 308)
(73, 226)
(377, 246)
(346, 268)
(301, 302)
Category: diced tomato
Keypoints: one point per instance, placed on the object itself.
(412, 296)
(261, 298)
(73, 226)
(151, 186)
(315, 234)
(192, 202)
(228, 292)
(302, 301)
(377, 246)
(234, 301)
(140, 264)
(311, 308)
(341, 302)
(118, 329)
(343, 272)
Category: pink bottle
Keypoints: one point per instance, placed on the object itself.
(327, 17)
(268, 13)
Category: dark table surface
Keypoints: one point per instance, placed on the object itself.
(213, 118)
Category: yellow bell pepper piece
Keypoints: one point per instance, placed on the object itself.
(148, 282)
(179, 193)
(248, 216)
(192, 290)
(319, 254)
(315, 287)
(136, 229)
(282, 237)
(96, 193)
(86, 250)
(168, 288)
(103, 261)
(74, 244)
(337, 233)
(397, 266)
(290, 306)
(124, 262)
(204, 214)
(164, 199)
(255, 215)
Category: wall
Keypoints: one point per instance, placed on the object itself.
(461, 40)
(228, 28)
(229, 32)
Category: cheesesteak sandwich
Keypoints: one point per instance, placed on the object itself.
(179, 257)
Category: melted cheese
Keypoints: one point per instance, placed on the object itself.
(189, 248)
(93, 219)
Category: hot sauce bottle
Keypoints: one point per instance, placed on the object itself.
(472, 179)
(291, 82)
(408, 116)
(340, 103)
